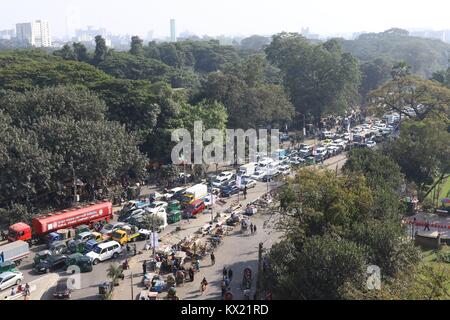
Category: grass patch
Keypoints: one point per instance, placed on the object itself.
(444, 191)
(431, 258)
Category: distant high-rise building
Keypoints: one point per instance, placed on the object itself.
(36, 34)
(7, 34)
(150, 35)
(173, 31)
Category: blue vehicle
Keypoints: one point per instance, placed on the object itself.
(52, 238)
(228, 191)
(279, 154)
(90, 245)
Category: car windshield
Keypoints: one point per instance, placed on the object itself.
(97, 250)
(117, 235)
(108, 227)
(153, 206)
(12, 234)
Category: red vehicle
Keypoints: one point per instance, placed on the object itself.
(196, 207)
(52, 222)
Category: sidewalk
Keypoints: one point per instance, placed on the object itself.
(38, 288)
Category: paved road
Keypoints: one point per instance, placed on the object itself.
(237, 251)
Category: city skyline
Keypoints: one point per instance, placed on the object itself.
(202, 17)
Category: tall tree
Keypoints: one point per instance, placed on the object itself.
(137, 48)
(422, 151)
(81, 52)
(319, 78)
(66, 53)
(424, 97)
(101, 50)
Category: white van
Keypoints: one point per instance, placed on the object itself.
(105, 251)
(248, 169)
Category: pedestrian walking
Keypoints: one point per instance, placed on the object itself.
(128, 248)
(254, 229)
(191, 274)
(224, 272)
(227, 281)
(224, 288)
(135, 249)
(144, 267)
(245, 192)
(230, 274)
(213, 259)
(427, 226)
(251, 228)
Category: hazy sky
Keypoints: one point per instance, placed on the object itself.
(215, 17)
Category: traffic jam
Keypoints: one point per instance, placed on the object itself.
(82, 237)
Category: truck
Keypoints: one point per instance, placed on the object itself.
(247, 169)
(52, 222)
(126, 234)
(15, 251)
(196, 192)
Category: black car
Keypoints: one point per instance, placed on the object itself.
(62, 290)
(52, 263)
(229, 191)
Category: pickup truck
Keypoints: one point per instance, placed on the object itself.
(126, 234)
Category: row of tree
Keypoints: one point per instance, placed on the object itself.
(342, 232)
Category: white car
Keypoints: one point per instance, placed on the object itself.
(105, 251)
(296, 161)
(258, 175)
(371, 144)
(328, 134)
(221, 178)
(170, 193)
(111, 227)
(9, 279)
(157, 206)
(249, 183)
(285, 170)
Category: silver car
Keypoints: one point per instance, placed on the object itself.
(9, 279)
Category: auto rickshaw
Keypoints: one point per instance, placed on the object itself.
(79, 260)
(174, 217)
(81, 229)
(8, 266)
(174, 205)
(42, 255)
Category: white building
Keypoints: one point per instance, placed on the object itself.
(173, 31)
(36, 34)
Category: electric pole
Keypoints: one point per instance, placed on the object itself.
(259, 277)
(132, 290)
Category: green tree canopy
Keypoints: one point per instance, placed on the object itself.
(319, 78)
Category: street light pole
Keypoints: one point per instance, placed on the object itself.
(132, 290)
